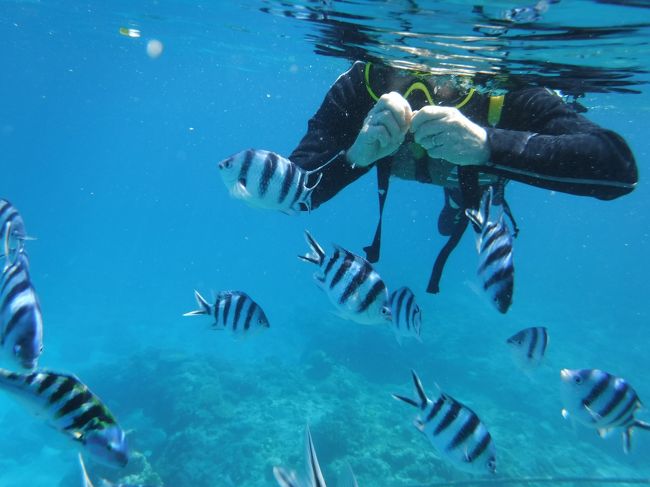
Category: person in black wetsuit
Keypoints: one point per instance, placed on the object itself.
(437, 129)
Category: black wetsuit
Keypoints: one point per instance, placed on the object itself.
(538, 140)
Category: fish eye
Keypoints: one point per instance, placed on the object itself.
(577, 379)
(109, 447)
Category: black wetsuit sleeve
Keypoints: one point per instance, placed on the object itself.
(543, 142)
(333, 129)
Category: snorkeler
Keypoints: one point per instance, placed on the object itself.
(442, 130)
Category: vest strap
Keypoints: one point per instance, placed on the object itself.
(468, 179)
(383, 178)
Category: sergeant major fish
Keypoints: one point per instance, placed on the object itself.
(267, 180)
(350, 282)
(602, 401)
(20, 314)
(406, 314)
(232, 310)
(72, 409)
(496, 268)
(529, 346)
(455, 431)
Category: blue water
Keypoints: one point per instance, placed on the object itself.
(110, 155)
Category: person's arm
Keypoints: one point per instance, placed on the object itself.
(333, 129)
(543, 142)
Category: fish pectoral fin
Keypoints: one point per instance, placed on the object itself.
(239, 190)
(594, 414)
(78, 436)
(419, 425)
(604, 432)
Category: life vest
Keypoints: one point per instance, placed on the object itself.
(467, 176)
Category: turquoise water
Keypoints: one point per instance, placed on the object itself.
(110, 155)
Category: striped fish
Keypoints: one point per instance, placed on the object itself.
(267, 180)
(313, 471)
(73, 409)
(20, 314)
(232, 310)
(351, 283)
(12, 228)
(406, 315)
(602, 401)
(496, 269)
(86, 482)
(529, 346)
(455, 431)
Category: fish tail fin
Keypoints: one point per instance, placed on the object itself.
(284, 478)
(204, 306)
(315, 474)
(316, 255)
(305, 203)
(421, 404)
(475, 218)
(311, 188)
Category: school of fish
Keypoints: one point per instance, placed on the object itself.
(357, 292)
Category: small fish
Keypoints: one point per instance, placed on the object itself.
(455, 431)
(73, 409)
(267, 180)
(406, 315)
(313, 471)
(494, 243)
(529, 346)
(20, 314)
(602, 401)
(232, 310)
(351, 283)
(12, 228)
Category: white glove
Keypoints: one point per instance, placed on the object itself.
(447, 134)
(383, 130)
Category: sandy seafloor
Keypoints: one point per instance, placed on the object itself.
(111, 158)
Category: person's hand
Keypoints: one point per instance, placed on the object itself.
(383, 130)
(446, 133)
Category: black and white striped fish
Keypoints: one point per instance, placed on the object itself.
(602, 401)
(455, 431)
(20, 314)
(232, 310)
(12, 228)
(351, 283)
(313, 471)
(496, 268)
(529, 346)
(70, 407)
(406, 314)
(267, 180)
(86, 482)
